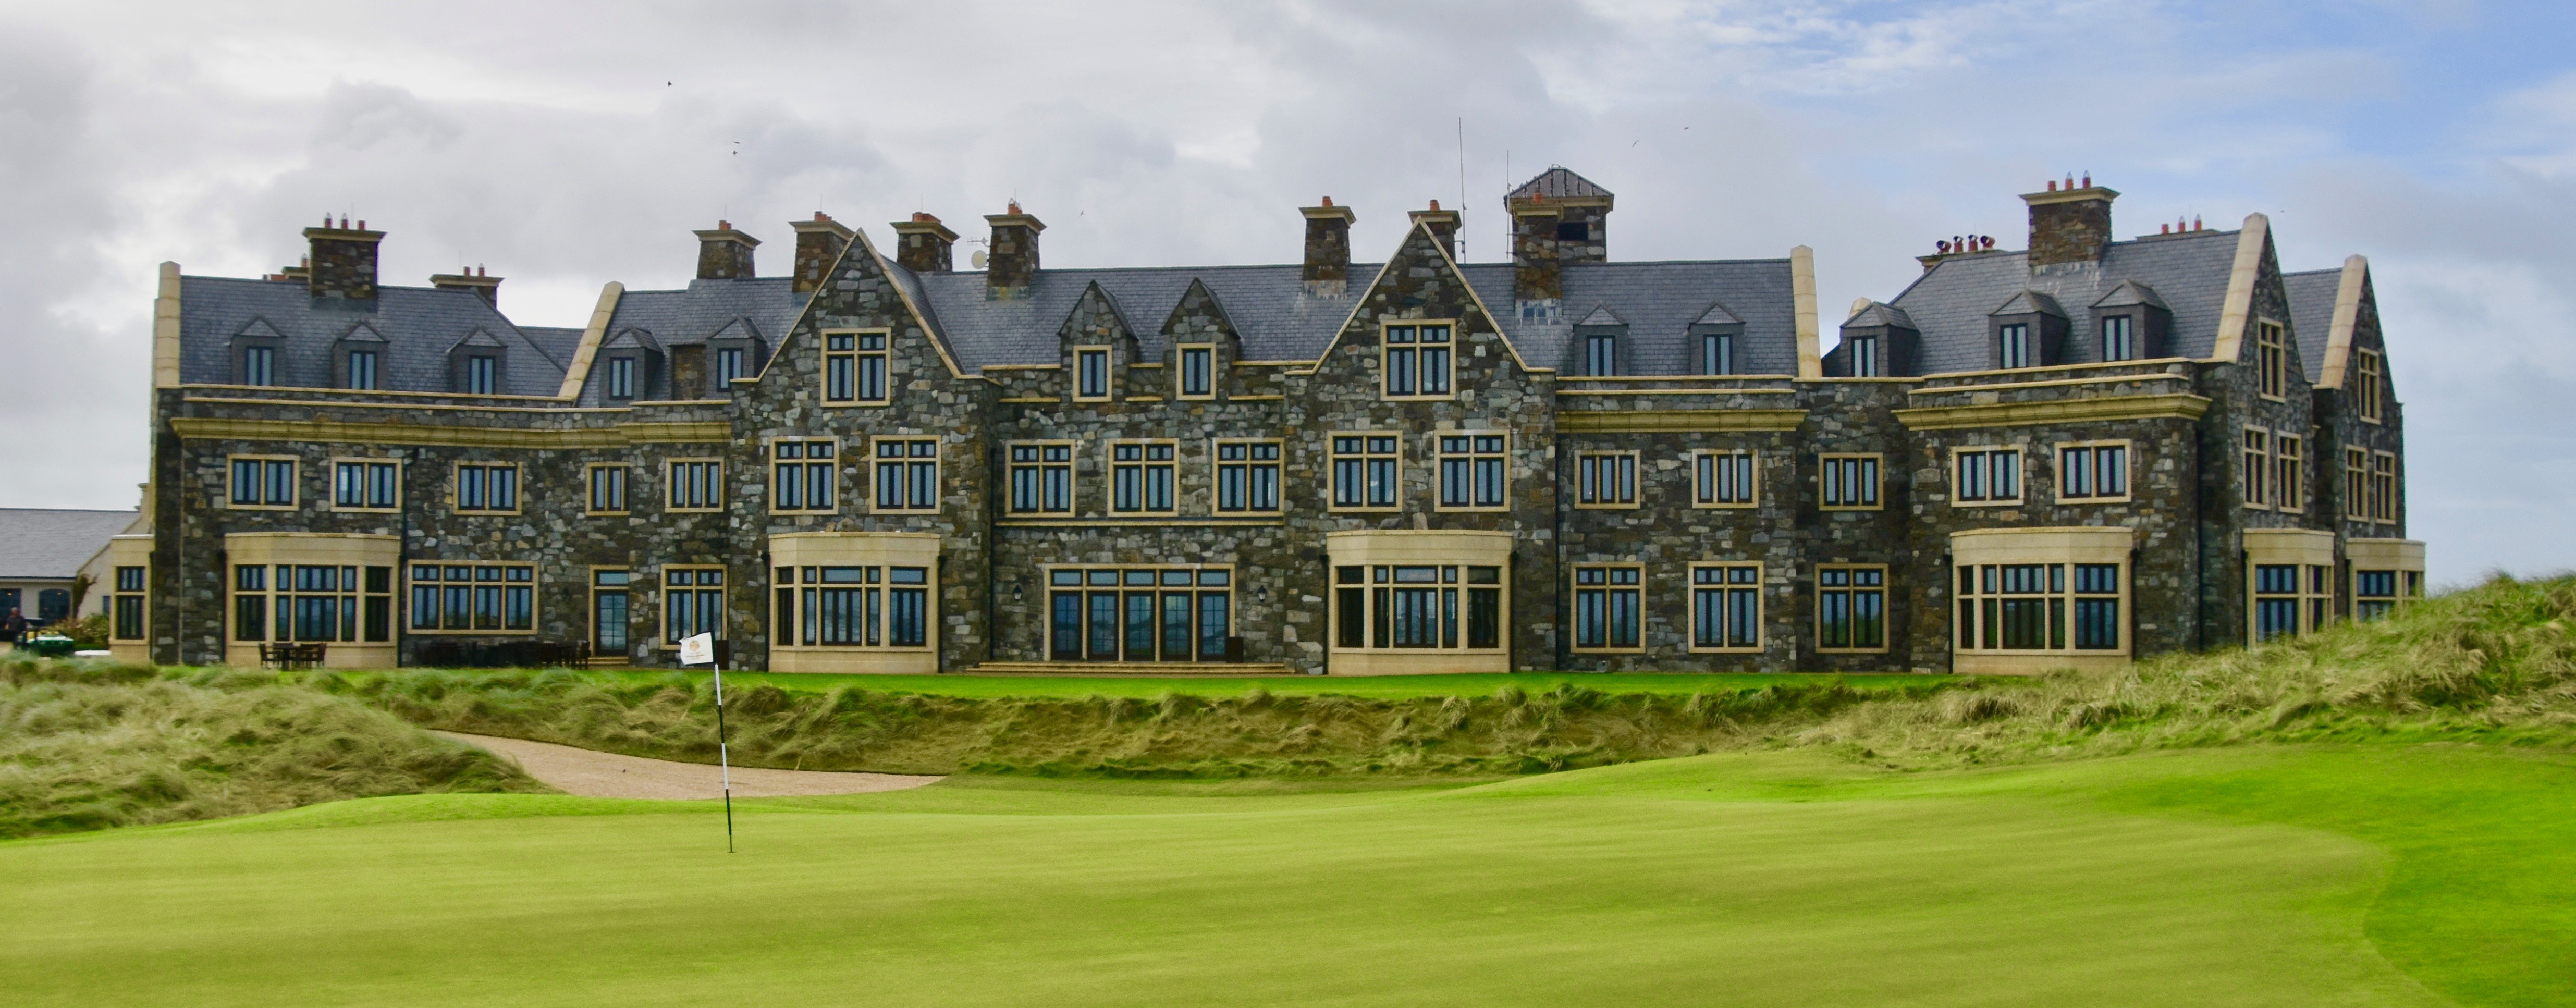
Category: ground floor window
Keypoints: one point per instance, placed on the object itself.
(1418, 606)
(1851, 608)
(2041, 607)
(468, 597)
(126, 606)
(1140, 614)
(310, 602)
(2291, 599)
(2374, 594)
(1726, 607)
(1609, 607)
(860, 606)
(692, 602)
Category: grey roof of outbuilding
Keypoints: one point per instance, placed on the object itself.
(2312, 299)
(693, 314)
(53, 544)
(1558, 183)
(419, 326)
(1950, 303)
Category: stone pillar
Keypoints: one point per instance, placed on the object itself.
(485, 286)
(1443, 225)
(818, 245)
(343, 263)
(1328, 248)
(725, 254)
(1014, 255)
(923, 245)
(2069, 225)
(1535, 272)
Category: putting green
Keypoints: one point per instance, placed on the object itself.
(2252, 876)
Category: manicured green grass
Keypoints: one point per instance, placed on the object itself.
(1374, 687)
(2253, 875)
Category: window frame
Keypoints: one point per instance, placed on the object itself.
(2370, 389)
(2386, 484)
(2128, 470)
(1145, 465)
(669, 636)
(1108, 374)
(2289, 472)
(2313, 595)
(938, 458)
(671, 486)
(409, 592)
(856, 355)
(1977, 592)
(1277, 464)
(2254, 465)
(1985, 454)
(367, 475)
(1475, 458)
(1877, 487)
(1703, 495)
(2271, 360)
(1416, 347)
(1070, 464)
(1368, 459)
(801, 592)
(1717, 353)
(232, 481)
(1085, 585)
(1635, 470)
(2356, 484)
(1607, 588)
(373, 373)
(590, 492)
(2129, 324)
(1693, 588)
(456, 487)
(806, 467)
(2013, 349)
(1885, 589)
(1863, 356)
(1182, 355)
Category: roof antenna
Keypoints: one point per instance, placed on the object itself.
(1462, 184)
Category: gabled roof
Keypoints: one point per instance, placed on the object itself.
(1879, 313)
(418, 324)
(44, 543)
(2131, 293)
(740, 328)
(692, 315)
(1602, 316)
(632, 337)
(2189, 272)
(2030, 302)
(1268, 305)
(1559, 183)
(1717, 315)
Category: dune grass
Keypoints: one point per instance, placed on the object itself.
(2262, 875)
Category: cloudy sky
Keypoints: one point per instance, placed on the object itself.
(563, 147)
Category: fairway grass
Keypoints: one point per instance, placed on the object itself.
(2244, 876)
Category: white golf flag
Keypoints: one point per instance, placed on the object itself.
(698, 650)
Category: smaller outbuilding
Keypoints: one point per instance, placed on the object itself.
(42, 554)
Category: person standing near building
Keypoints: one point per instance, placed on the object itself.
(15, 626)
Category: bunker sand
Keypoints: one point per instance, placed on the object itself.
(592, 774)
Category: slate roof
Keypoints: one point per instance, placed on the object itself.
(1950, 304)
(1659, 301)
(43, 543)
(2312, 299)
(418, 324)
(1268, 305)
(1558, 183)
(763, 306)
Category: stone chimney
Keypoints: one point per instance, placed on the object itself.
(725, 254)
(818, 245)
(2070, 224)
(487, 287)
(1443, 225)
(1013, 257)
(343, 262)
(1536, 275)
(1328, 248)
(922, 244)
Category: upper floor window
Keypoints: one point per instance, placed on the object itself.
(804, 475)
(1723, 479)
(1605, 480)
(1472, 471)
(697, 484)
(854, 367)
(2093, 472)
(482, 375)
(263, 482)
(2289, 473)
(2368, 390)
(1601, 354)
(1864, 356)
(1141, 476)
(1417, 363)
(487, 486)
(1247, 476)
(2271, 360)
(1042, 478)
(907, 474)
(1986, 476)
(731, 363)
(362, 370)
(2356, 483)
(366, 485)
(2013, 346)
(1198, 372)
(2119, 340)
(2383, 486)
(1717, 354)
(621, 377)
(1091, 367)
(607, 489)
(1365, 470)
(1847, 482)
(2257, 468)
(259, 365)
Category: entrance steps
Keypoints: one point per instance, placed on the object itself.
(1192, 670)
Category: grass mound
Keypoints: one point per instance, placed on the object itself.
(121, 747)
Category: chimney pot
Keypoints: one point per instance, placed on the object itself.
(2052, 185)
(2195, 222)
(1015, 208)
(2164, 229)
(1435, 204)
(2088, 180)
(1990, 242)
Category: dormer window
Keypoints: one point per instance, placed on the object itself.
(1093, 368)
(2013, 347)
(622, 377)
(1864, 356)
(2119, 338)
(259, 365)
(362, 370)
(482, 375)
(2134, 322)
(1601, 354)
(1717, 354)
(1574, 231)
(1198, 372)
(731, 363)
(2028, 331)
(478, 365)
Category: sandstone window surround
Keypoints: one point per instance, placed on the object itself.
(2093, 472)
(1722, 478)
(1726, 608)
(1094, 377)
(2356, 483)
(2255, 468)
(1248, 476)
(1042, 477)
(2271, 360)
(1609, 608)
(2030, 599)
(2289, 582)
(1475, 470)
(2369, 389)
(1197, 371)
(696, 485)
(1606, 479)
(611, 611)
(2387, 574)
(297, 587)
(2289, 471)
(129, 602)
(857, 367)
(1417, 359)
(372, 485)
(262, 483)
(1144, 477)
(907, 474)
(804, 476)
(1137, 615)
(606, 483)
(1985, 476)
(2384, 486)
(1851, 609)
(473, 597)
(1409, 601)
(1367, 471)
(693, 602)
(854, 602)
(1849, 482)
(484, 488)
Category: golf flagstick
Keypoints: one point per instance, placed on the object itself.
(723, 761)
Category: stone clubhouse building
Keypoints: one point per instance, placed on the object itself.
(2076, 454)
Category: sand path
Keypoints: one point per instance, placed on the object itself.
(608, 775)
